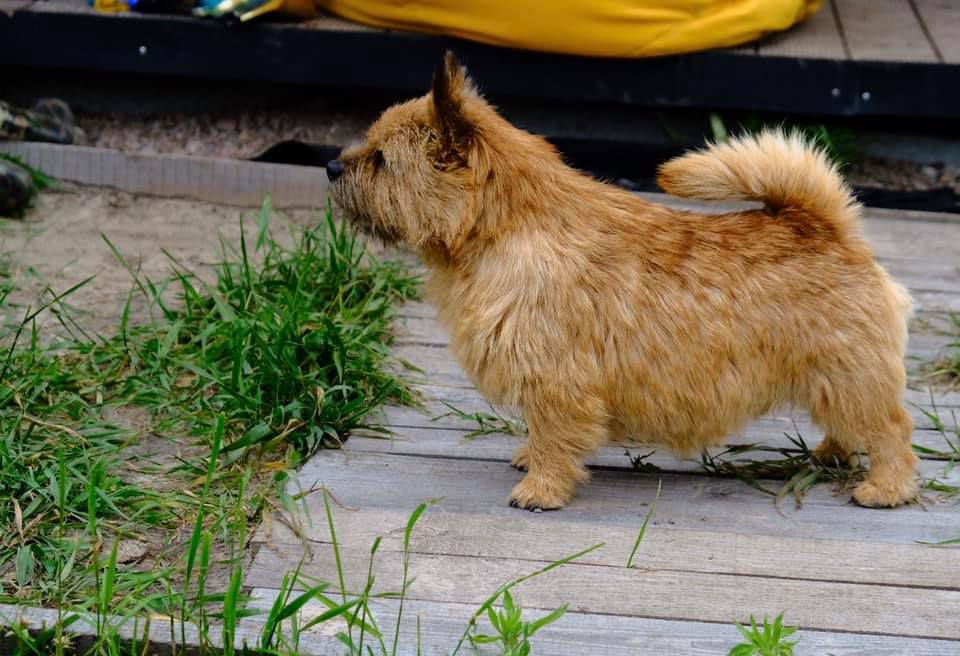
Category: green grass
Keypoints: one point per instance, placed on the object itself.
(950, 432)
(797, 467)
(282, 354)
(488, 423)
(289, 344)
(946, 370)
(768, 639)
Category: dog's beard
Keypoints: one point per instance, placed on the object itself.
(388, 235)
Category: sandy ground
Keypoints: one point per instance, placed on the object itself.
(61, 242)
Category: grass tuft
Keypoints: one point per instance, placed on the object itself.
(239, 378)
(946, 370)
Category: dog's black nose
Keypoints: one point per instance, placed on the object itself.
(334, 169)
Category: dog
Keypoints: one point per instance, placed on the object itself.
(605, 318)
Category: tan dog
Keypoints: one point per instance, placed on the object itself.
(607, 318)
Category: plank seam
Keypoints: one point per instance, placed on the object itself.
(843, 33)
(926, 32)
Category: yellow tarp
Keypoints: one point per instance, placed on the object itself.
(599, 28)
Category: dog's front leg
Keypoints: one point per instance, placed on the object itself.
(561, 435)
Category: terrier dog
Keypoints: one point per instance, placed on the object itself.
(606, 318)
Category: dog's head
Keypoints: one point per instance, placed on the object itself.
(421, 174)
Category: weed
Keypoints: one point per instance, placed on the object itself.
(798, 467)
(506, 587)
(640, 464)
(488, 423)
(768, 640)
(950, 453)
(947, 368)
(643, 527)
(512, 633)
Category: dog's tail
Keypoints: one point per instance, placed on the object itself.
(782, 170)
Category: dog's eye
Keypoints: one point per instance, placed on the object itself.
(378, 159)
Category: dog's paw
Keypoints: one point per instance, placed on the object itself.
(541, 493)
(879, 494)
(521, 458)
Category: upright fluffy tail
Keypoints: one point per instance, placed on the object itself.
(782, 170)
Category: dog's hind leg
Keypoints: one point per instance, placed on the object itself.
(893, 464)
(871, 417)
(561, 434)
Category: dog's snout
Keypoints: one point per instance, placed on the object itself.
(334, 169)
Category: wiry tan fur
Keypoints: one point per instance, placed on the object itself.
(608, 318)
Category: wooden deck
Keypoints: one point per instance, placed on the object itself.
(872, 30)
(856, 580)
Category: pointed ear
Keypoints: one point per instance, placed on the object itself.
(450, 88)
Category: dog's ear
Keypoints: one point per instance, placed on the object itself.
(451, 86)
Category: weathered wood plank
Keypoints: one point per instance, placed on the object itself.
(615, 498)
(415, 434)
(577, 633)
(663, 547)
(942, 20)
(867, 608)
(883, 30)
(816, 38)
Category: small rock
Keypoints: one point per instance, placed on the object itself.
(931, 171)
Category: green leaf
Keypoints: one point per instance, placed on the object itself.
(226, 312)
(533, 627)
(482, 639)
(777, 629)
(25, 565)
(494, 619)
(336, 612)
(742, 650)
(643, 527)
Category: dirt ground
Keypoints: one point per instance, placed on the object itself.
(61, 242)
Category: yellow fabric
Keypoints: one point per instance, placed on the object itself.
(599, 28)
